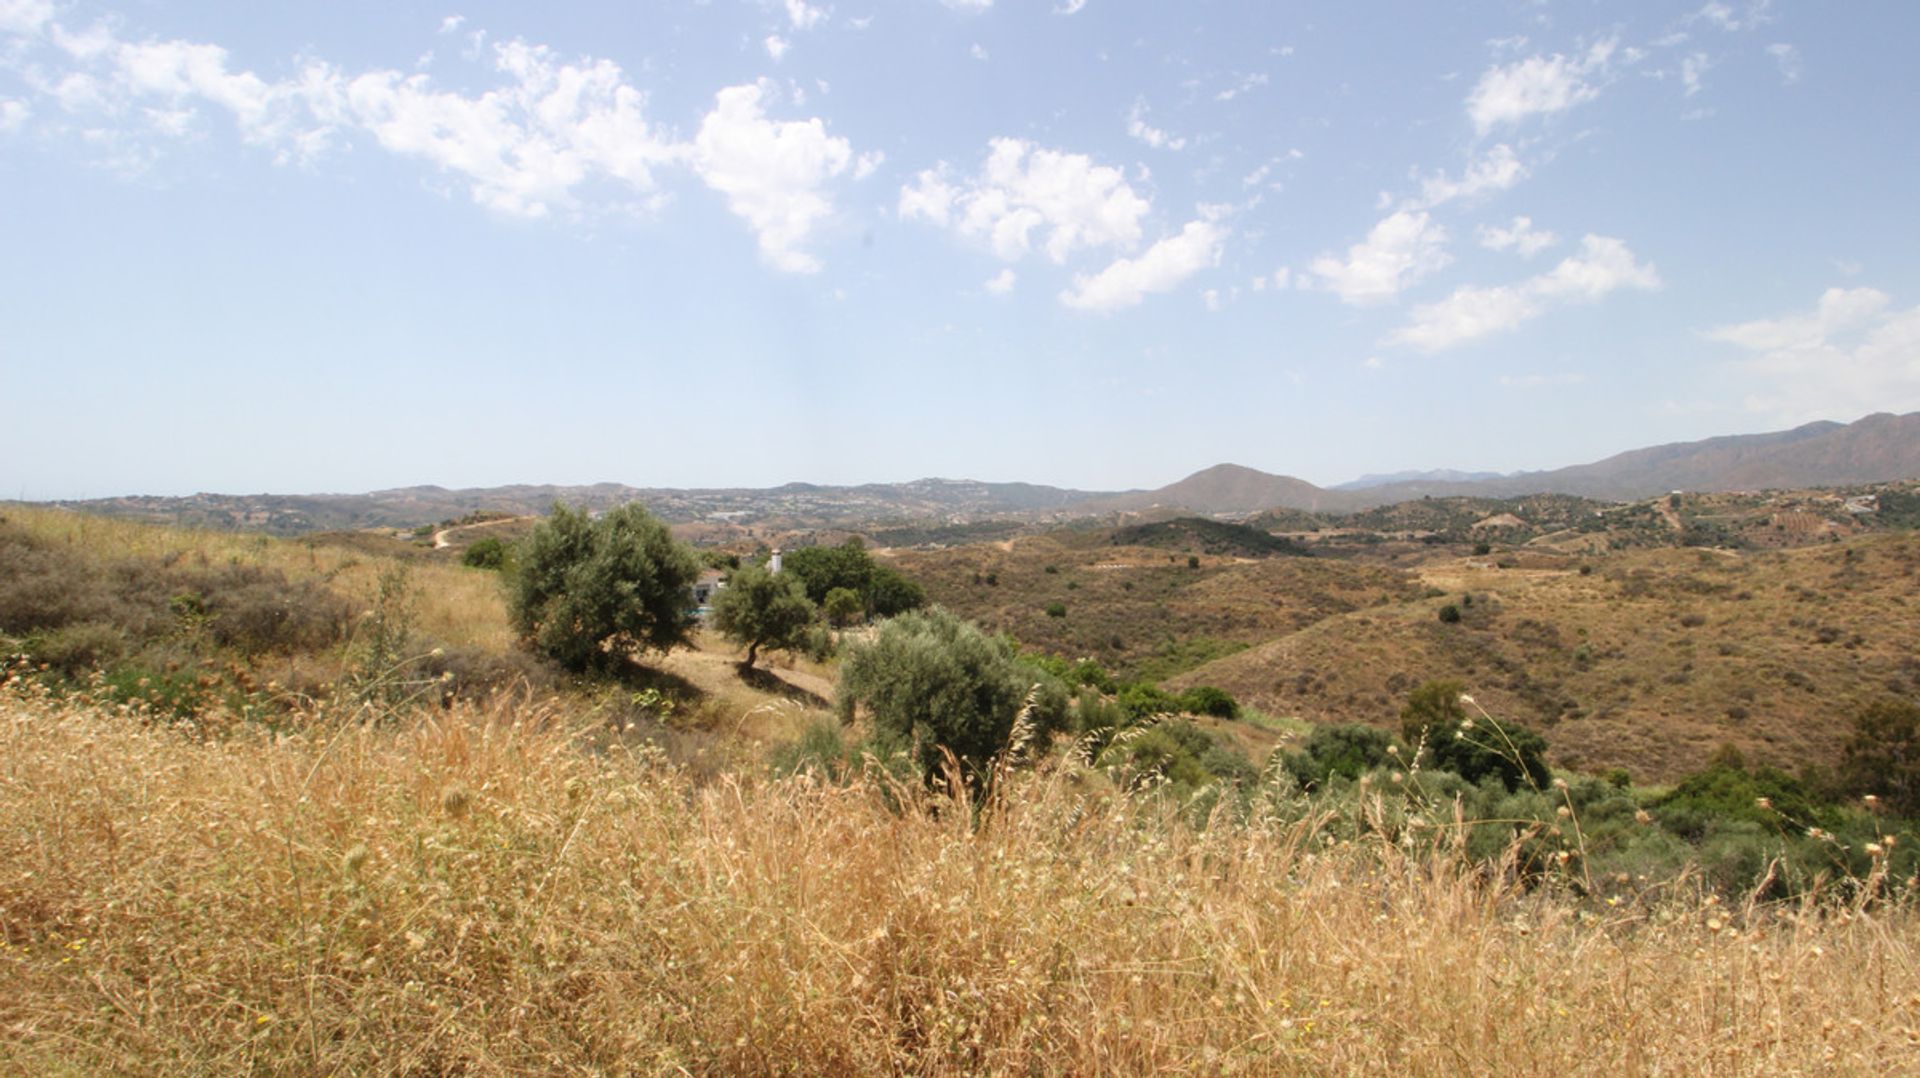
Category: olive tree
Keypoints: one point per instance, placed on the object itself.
(762, 609)
(587, 592)
(931, 680)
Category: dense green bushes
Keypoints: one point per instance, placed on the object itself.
(825, 569)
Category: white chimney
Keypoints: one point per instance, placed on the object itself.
(773, 563)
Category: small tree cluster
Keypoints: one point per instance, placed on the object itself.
(762, 609)
(882, 592)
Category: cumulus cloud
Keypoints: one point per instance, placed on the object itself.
(1161, 268)
(524, 147)
(1537, 86)
(25, 16)
(1839, 311)
(1137, 127)
(1026, 195)
(1496, 170)
(1692, 69)
(776, 46)
(1070, 7)
(1002, 283)
(1519, 237)
(1401, 249)
(1852, 354)
(772, 172)
(804, 16)
(538, 139)
(13, 114)
(1787, 58)
(1603, 265)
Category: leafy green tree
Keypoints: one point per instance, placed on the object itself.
(1882, 757)
(1472, 746)
(889, 593)
(488, 553)
(587, 592)
(883, 591)
(1349, 750)
(930, 679)
(762, 609)
(843, 607)
(1208, 700)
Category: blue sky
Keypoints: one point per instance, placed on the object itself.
(299, 247)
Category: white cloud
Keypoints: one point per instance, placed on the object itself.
(1851, 355)
(27, 17)
(1496, 170)
(1788, 59)
(1726, 18)
(804, 16)
(13, 114)
(1002, 283)
(1024, 195)
(1070, 7)
(1160, 268)
(776, 46)
(541, 136)
(1246, 83)
(868, 163)
(1519, 237)
(1603, 265)
(1839, 311)
(772, 172)
(452, 23)
(526, 146)
(1537, 86)
(1137, 127)
(1400, 250)
(1692, 67)
(978, 52)
(970, 6)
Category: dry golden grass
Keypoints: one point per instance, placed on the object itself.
(476, 892)
(456, 606)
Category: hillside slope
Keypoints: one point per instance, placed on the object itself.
(1650, 664)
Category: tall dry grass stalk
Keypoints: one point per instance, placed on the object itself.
(476, 893)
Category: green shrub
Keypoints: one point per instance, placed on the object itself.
(1348, 750)
(1882, 756)
(489, 553)
(1450, 614)
(1056, 609)
(931, 680)
(1207, 700)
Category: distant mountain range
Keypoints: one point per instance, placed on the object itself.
(1438, 475)
(1878, 448)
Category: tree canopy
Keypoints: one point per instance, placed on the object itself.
(762, 609)
(585, 592)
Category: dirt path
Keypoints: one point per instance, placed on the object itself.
(441, 542)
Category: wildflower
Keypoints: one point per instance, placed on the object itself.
(1466, 724)
(1563, 812)
(1467, 700)
(1396, 777)
(1714, 924)
(1642, 816)
(1887, 841)
(1763, 802)
(1559, 784)
(1393, 750)
(1875, 849)
(1871, 800)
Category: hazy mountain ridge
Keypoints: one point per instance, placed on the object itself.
(1878, 448)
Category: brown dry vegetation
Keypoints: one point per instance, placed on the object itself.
(489, 892)
(1124, 604)
(1650, 662)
